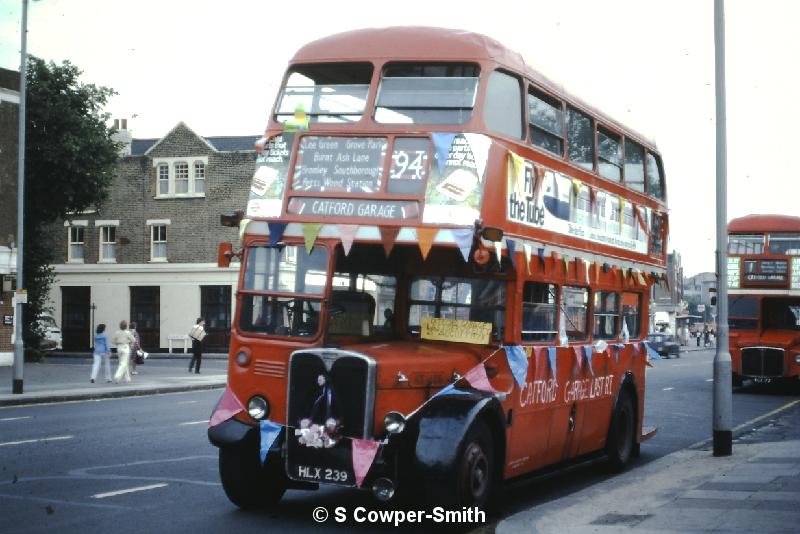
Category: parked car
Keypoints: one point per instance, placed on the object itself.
(667, 345)
(52, 333)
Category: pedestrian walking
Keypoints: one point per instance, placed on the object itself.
(102, 353)
(197, 333)
(706, 337)
(135, 348)
(123, 339)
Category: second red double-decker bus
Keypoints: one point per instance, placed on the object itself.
(764, 297)
(446, 269)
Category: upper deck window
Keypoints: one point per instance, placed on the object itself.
(746, 244)
(547, 122)
(655, 176)
(330, 92)
(634, 165)
(503, 108)
(788, 244)
(581, 138)
(609, 150)
(427, 93)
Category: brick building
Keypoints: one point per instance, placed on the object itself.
(9, 150)
(148, 254)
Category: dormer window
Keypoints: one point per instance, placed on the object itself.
(183, 177)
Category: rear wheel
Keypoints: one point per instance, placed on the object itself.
(621, 441)
(247, 484)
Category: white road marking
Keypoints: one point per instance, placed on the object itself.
(667, 389)
(187, 402)
(54, 438)
(15, 418)
(204, 421)
(709, 379)
(129, 490)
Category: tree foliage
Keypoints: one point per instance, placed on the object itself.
(70, 161)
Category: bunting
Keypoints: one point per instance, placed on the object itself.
(652, 353)
(228, 406)
(597, 272)
(442, 141)
(512, 248)
(463, 239)
(588, 352)
(310, 233)
(617, 348)
(552, 360)
(388, 237)
(276, 230)
(243, 227)
(479, 145)
(578, 357)
(517, 362)
(269, 432)
(498, 249)
(425, 236)
(540, 253)
(478, 379)
(347, 233)
(364, 451)
(586, 264)
(528, 251)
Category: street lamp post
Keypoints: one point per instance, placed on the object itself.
(19, 344)
(723, 396)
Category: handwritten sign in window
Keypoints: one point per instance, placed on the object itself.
(456, 330)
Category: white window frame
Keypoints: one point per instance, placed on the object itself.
(101, 226)
(151, 224)
(171, 164)
(76, 224)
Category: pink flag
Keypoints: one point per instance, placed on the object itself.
(228, 406)
(364, 451)
(477, 378)
(578, 357)
(347, 232)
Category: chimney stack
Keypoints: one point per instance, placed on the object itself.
(122, 135)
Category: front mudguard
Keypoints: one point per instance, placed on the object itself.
(442, 426)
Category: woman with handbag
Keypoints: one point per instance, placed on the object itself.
(197, 333)
(123, 339)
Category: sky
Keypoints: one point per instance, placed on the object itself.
(650, 64)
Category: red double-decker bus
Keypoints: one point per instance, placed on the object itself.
(446, 268)
(764, 297)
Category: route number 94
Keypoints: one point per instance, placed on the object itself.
(408, 165)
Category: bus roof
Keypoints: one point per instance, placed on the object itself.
(764, 223)
(432, 44)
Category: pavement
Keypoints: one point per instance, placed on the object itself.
(756, 489)
(65, 377)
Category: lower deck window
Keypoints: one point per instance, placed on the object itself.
(575, 308)
(606, 315)
(631, 314)
(538, 311)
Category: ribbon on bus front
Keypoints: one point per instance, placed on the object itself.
(363, 451)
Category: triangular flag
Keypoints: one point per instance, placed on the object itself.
(641, 278)
(586, 264)
(597, 272)
(540, 253)
(578, 357)
(388, 236)
(479, 145)
(477, 378)
(228, 406)
(617, 348)
(588, 351)
(276, 230)
(498, 249)
(269, 432)
(512, 248)
(517, 362)
(516, 174)
(528, 251)
(442, 141)
(576, 185)
(529, 352)
(425, 236)
(347, 233)
(450, 389)
(552, 359)
(566, 265)
(310, 233)
(651, 352)
(635, 350)
(463, 239)
(243, 227)
(364, 451)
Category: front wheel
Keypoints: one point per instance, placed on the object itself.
(247, 484)
(473, 479)
(621, 441)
